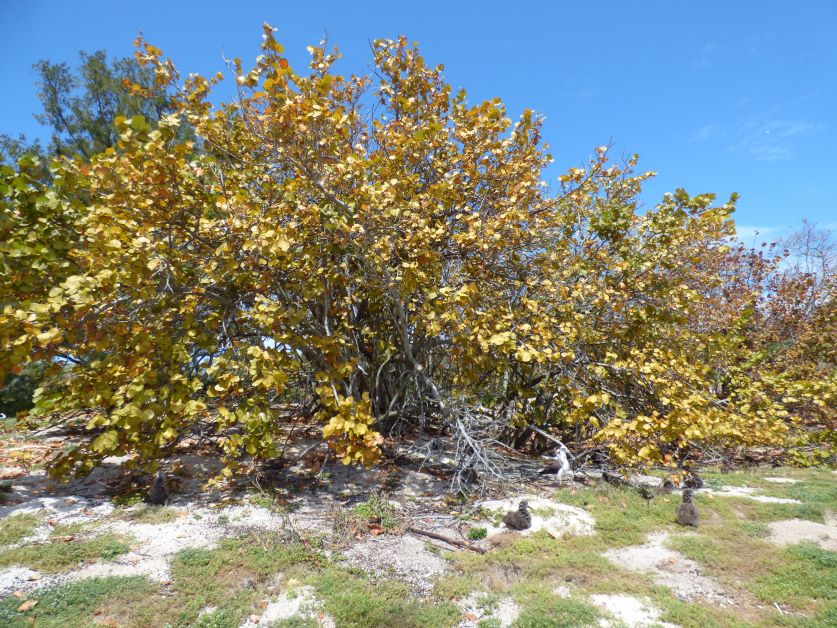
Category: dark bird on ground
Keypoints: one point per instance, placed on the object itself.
(159, 493)
(519, 519)
(665, 488)
(559, 465)
(687, 514)
(599, 458)
(646, 493)
(610, 478)
(693, 480)
(469, 476)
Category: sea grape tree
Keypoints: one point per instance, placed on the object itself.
(372, 254)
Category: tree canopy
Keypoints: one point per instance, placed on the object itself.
(80, 104)
(375, 254)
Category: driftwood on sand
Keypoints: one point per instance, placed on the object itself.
(446, 539)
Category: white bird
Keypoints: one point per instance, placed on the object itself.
(560, 465)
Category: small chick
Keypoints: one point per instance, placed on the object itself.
(687, 514)
(693, 480)
(665, 488)
(646, 493)
(519, 519)
(615, 480)
(159, 493)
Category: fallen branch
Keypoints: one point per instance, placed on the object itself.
(445, 539)
(549, 437)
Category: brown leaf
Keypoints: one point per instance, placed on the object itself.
(603, 499)
(27, 605)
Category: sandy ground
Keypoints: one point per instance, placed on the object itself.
(628, 611)
(556, 518)
(203, 518)
(405, 557)
(792, 531)
(670, 569)
(299, 602)
(474, 608)
(749, 493)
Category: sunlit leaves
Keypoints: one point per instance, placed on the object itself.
(346, 256)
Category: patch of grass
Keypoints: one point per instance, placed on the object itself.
(68, 529)
(60, 556)
(353, 601)
(231, 578)
(74, 604)
(815, 488)
(755, 529)
(296, 622)
(127, 500)
(694, 615)
(146, 513)
(730, 547)
(538, 559)
(702, 549)
(827, 616)
(804, 575)
(377, 509)
(622, 516)
(761, 512)
(544, 610)
(216, 619)
(265, 499)
(15, 527)
(475, 534)
(454, 587)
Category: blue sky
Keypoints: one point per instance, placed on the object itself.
(714, 96)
